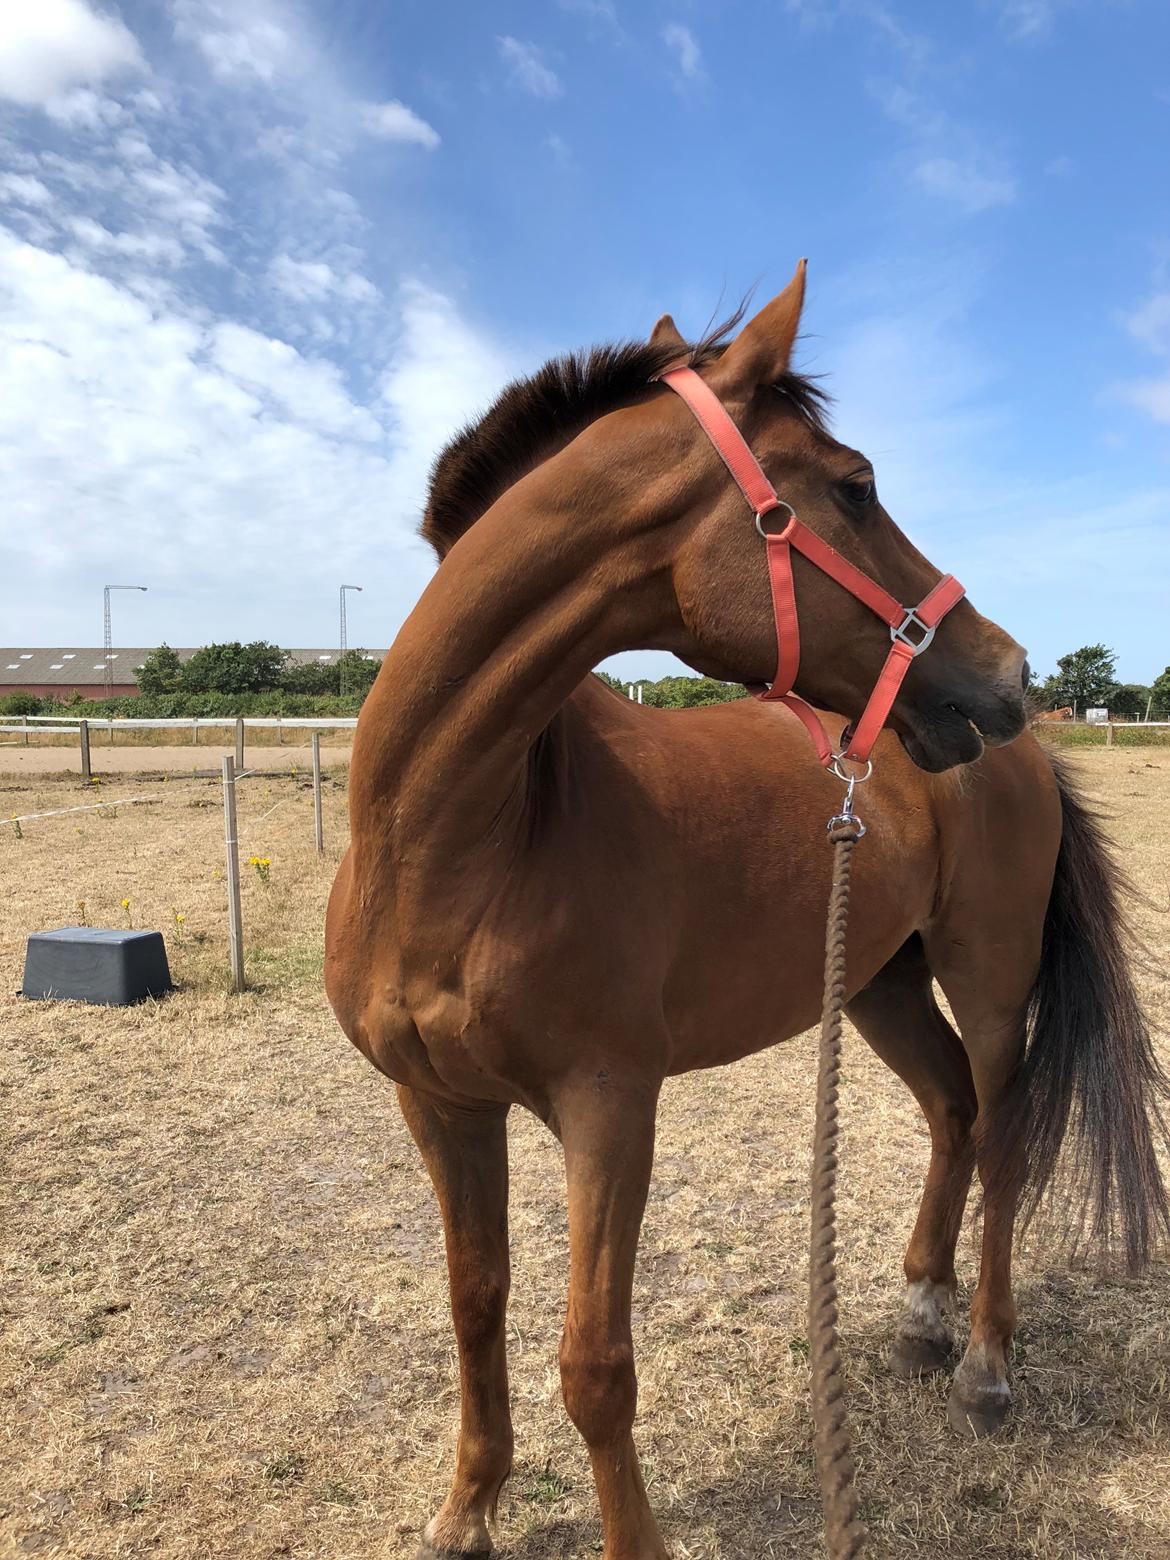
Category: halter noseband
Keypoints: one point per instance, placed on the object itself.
(902, 621)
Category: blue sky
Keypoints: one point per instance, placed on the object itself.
(259, 258)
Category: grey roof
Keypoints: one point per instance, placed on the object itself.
(75, 665)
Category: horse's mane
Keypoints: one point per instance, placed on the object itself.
(532, 418)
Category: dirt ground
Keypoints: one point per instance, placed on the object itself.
(223, 1324)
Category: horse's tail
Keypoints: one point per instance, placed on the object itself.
(1090, 1073)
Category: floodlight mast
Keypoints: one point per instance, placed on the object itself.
(108, 632)
(342, 637)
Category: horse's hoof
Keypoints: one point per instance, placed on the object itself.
(914, 1356)
(975, 1417)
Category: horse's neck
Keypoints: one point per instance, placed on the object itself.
(526, 603)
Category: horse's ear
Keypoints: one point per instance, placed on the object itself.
(759, 355)
(667, 334)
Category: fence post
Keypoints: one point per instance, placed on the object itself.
(317, 822)
(194, 732)
(83, 727)
(24, 728)
(1109, 734)
(280, 731)
(231, 849)
(239, 742)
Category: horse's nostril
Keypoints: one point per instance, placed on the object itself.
(1026, 676)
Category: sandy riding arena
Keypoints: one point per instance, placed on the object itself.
(223, 1299)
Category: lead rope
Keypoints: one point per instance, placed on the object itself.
(845, 1535)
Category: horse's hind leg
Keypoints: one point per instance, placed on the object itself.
(986, 970)
(467, 1156)
(900, 1019)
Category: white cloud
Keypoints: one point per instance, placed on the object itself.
(153, 248)
(309, 391)
(130, 430)
(48, 47)
(443, 373)
(1026, 19)
(965, 184)
(22, 190)
(1151, 396)
(946, 159)
(688, 57)
(393, 121)
(527, 68)
(1150, 323)
(243, 41)
(312, 281)
(83, 109)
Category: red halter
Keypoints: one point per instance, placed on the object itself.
(761, 495)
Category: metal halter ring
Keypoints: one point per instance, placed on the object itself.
(779, 504)
(850, 780)
(912, 620)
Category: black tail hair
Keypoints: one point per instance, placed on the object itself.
(1090, 1074)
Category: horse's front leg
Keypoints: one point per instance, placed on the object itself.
(607, 1128)
(466, 1154)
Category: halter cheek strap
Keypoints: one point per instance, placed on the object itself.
(911, 628)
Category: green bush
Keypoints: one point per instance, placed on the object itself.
(24, 704)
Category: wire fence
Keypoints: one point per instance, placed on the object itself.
(233, 835)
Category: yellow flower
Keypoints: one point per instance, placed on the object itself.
(125, 904)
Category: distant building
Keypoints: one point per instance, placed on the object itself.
(61, 674)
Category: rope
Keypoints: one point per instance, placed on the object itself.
(844, 1535)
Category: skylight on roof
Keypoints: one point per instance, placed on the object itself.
(26, 655)
(56, 666)
(13, 666)
(324, 658)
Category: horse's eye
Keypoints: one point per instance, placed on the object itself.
(860, 491)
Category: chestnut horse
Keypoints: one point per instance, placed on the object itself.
(557, 899)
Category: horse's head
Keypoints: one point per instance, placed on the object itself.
(969, 688)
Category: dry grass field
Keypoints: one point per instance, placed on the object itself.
(223, 1325)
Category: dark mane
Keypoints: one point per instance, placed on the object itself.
(533, 418)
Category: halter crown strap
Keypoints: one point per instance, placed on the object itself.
(902, 622)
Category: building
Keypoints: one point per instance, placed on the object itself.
(73, 671)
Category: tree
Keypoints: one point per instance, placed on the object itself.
(161, 672)
(354, 672)
(1129, 700)
(1161, 692)
(684, 693)
(1083, 678)
(235, 668)
(678, 693)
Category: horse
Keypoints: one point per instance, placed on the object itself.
(556, 899)
(1045, 715)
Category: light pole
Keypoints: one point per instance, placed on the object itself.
(342, 637)
(106, 629)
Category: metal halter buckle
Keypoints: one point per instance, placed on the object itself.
(912, 620)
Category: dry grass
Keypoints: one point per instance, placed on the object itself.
(225, 1328)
